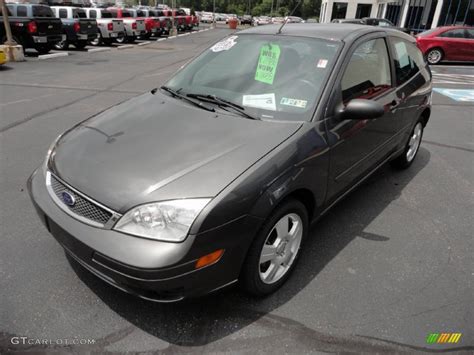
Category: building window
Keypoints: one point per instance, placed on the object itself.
(394, 10)
(456, 12)
(363, 10)
(339, 10)
(380, 11)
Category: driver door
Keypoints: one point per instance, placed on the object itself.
(358, 145)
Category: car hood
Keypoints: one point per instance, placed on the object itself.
(154, 148)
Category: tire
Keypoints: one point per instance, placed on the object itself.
(63, 45)
(282, 235)
(434, 55)
(121, 39)
(146, 36)
(131, 39)
(80, 44)
(43, 48)
(404, 160)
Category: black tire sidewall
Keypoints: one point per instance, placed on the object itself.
(250, 278)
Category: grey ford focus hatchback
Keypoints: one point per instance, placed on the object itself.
(216, 176)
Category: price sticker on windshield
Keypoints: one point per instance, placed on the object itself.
(267, 63)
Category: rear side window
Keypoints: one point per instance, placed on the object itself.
(457, 33)
(126, 14)
(62, 13)
(408, 59)
(21, 11)
(368, 73)
(107, 14)
(42, 11)
(470, 34)
(92, 14)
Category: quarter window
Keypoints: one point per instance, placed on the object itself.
(408, 60)
(368, 73)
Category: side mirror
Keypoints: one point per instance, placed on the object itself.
(361, 109)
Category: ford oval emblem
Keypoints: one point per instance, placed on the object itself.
(68, 199)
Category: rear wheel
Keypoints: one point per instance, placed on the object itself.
(434, 56)
(274, 252)
(411, 148)
(121, 39)
(131, 39)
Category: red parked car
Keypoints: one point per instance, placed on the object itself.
(454, 43)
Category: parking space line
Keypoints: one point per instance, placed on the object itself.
(126, 46)
(144, 43)
(53, 55)
(93, 50)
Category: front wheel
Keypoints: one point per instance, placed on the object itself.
(411, 148)
(63, 45)
(274, 252)
(434, 56)
(80, 44)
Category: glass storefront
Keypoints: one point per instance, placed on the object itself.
(394, 10)
(420, 14)
(457, 12)
(363, 10)
(339, 10)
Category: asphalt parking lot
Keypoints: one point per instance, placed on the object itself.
(389, 265)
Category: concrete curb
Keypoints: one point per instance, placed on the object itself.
(144, 43)
(53, 55)
(126, 46)
(94, 50)
(161, 39)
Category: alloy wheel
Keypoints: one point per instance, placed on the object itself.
(434, 56)
(414, 142)
(280, 248)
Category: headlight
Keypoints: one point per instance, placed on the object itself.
(168, 220)
(50, 150)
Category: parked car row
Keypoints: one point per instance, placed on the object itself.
(265, 20)
(43, 27)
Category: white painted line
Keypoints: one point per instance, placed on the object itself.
(144, 43)
(171, 37)
(126, 46)
(161, 39)
(53, 55)
(181, 35)
(93, 50)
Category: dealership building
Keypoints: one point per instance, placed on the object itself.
(416, 15)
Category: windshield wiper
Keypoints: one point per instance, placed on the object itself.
(222, 103)
(175, 93)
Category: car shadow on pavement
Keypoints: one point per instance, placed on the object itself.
(201, 321)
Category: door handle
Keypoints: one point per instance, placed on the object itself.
(393, 105)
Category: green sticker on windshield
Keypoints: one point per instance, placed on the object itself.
(267, 63)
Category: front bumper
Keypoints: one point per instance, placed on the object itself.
(152, 270)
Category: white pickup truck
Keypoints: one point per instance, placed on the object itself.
(110, 28)
(134, 27)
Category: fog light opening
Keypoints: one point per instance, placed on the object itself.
(209, 259)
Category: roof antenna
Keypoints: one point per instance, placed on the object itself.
(287, 17)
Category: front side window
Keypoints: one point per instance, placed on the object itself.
(368, 73)
(271, 77)
(79, 13)
(408, 59)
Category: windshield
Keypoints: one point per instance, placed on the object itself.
(274, 77)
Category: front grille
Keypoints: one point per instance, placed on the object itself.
(82, 206)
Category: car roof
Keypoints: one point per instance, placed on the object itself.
(329, 31)
(444, 28)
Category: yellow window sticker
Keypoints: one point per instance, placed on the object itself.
(267, 63)
(293, 102)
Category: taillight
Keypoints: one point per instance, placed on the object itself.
(110, 26)
(32, 27)
(77, 26)
(134, 25)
